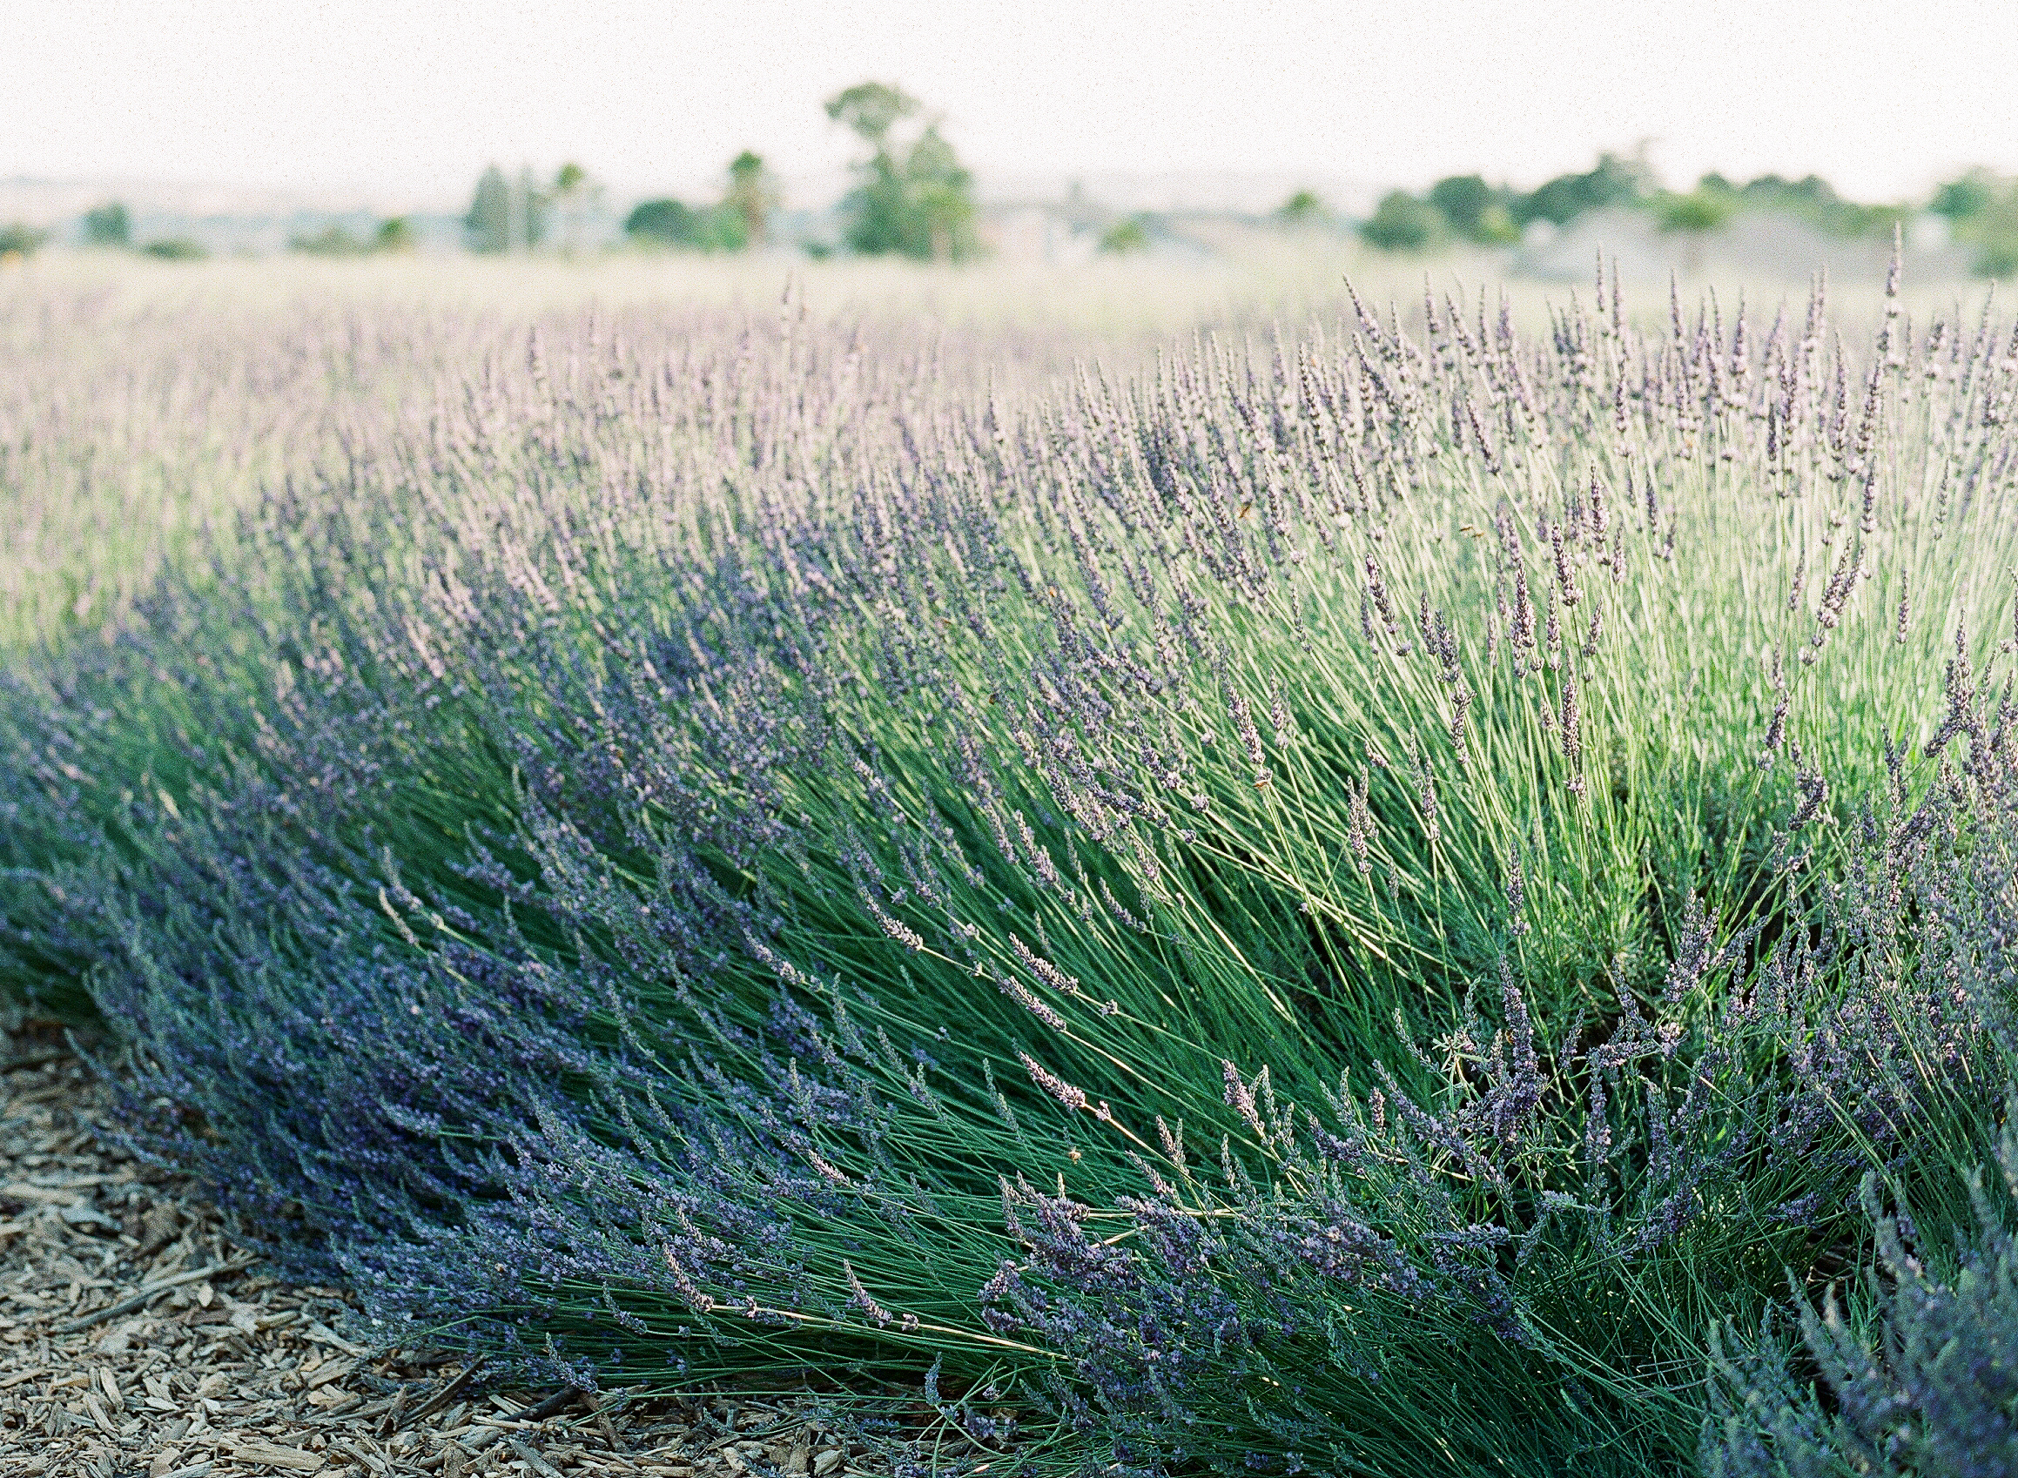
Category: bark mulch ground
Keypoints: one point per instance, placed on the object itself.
(136, 1339)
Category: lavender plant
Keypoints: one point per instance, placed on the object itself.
(1336, 905)
(1921, 1379)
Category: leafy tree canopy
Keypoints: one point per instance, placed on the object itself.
(912, 199)
(1615, 181)
(1475, 210)
(1403, 223)
(108, 225)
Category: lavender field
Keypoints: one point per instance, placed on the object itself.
(1415, 890)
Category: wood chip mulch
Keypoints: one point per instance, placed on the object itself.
(136, 1339)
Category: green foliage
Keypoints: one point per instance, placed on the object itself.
(1613, 181)
(1403, 223)
(175, 249)
(19, 240)
(753, 195)
(871, 110)
(1475, 210)
(740, 221)
(108, 225)
(1302, 208)
(1982, 209)
(1918, 1366)
(336, 240)
(913, 200)
(1703, 209)
(332, 240)
(534, 207)
(506, 215)
(664, 222)
(1998, 257)
(1966, 198)
(487, 224)
(1465, 206)
(672, 223)
(1811, 199)
(1129, 234)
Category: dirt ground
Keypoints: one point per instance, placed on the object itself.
(136, 1339)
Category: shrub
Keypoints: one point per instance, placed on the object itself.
(332, 241)
(669, 223)
(1612, 181)
(1702, 209)
(107, 225)
(394, 234)
(175, 249)
(1402, 223)
(1923, 1380)
(18, 240)
(1476, 211)
(1304, 207)
(1208, 911)
(1129, 234)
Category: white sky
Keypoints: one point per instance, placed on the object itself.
(415, 96)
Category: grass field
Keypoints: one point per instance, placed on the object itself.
(1341, 890)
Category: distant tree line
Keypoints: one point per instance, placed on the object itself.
(1982, 208)
(1466, 208)
(911, 197)
(392, 235)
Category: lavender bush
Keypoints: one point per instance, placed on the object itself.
(1338, 905)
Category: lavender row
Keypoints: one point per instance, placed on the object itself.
(1200, 905)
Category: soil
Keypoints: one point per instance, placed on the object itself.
(136, 1338)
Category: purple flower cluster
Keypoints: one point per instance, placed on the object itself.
(1256, 902)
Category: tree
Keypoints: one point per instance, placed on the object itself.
(752, 196)
(1403, 223)
(1966, 198)
(530, 206)
(1475, 210)
(394, 235)
(108, 225)
(1615, 181)
(1813, 200)
(488, 224)
(506, 215)
(912, 199)
(1699, 212)
(1982, 209)
(664, 223)
(1694, 216)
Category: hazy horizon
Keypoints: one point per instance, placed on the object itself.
(369, 98)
